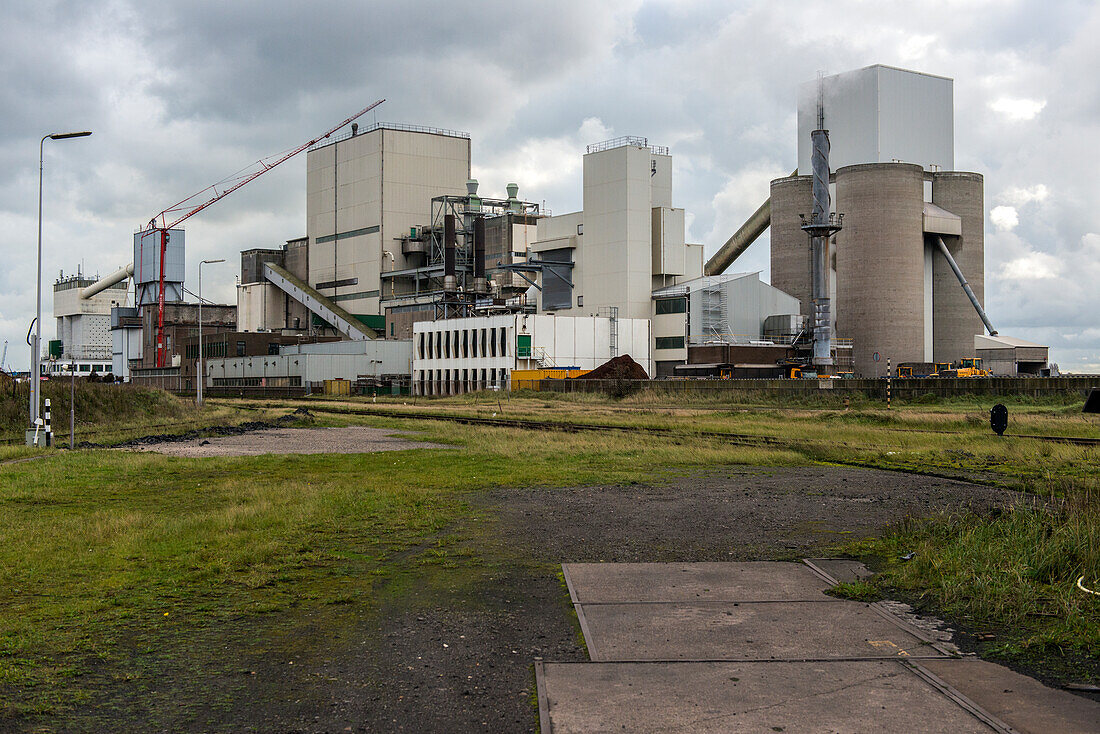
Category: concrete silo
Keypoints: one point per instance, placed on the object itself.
(954, 320)
(790, 247)
(880, 264)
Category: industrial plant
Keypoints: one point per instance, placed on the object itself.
(408, 277)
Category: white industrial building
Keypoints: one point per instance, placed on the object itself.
(83, 338)
(627, 240)
(455, 355)
(732, 308)
(306, 364)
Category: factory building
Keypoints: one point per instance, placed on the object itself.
(303, 365)
(83, 341)
(457, 355)
(728, 309)
(909, 220)
(627, 240)
(877, 257)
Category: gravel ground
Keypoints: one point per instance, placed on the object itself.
(465, 663)
(350, 440)
(460, 659)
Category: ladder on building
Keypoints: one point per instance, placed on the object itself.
(713, 312)
(612, 314)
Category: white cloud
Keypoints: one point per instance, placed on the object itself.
(1018, 109)
(1033, 266)
(1020, 196)
(1004, 218)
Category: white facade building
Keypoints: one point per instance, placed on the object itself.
(880, 114)
(83, 327)
(366, 190)
(455, 355)
(730, 308)
(627, 240)
(299, 365)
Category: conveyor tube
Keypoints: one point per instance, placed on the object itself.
(104, 283)
(753, 227)
(966, 286)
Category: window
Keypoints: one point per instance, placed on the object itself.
(420, 347)
(580, 301)
(272, 348)
(556, 289)
(580, 228)
(669, 342)
(672, 305)
(503, 342)
(391, 328)
(484, 346)
(240, 349)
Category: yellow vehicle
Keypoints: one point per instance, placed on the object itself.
(966, 367)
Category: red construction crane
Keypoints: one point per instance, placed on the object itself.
(208, 196)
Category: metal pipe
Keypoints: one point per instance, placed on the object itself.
(966, 286)
(104, 283)
(748, 232)
(450, 281)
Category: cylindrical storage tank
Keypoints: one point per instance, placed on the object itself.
(954, 320)
(790, 246)
(880, 264)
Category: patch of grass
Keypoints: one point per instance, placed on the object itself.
(103, 553)
(856, 591)
(1014, 571)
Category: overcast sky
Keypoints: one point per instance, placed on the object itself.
(180, 94)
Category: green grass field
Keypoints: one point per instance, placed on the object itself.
(103, 553)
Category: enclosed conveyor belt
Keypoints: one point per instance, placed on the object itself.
(104, 283)
(304, 294)
(966, 286)
(753, 227)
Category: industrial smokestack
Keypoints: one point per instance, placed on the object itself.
(480, 285)
(450, 282)
(820, 228)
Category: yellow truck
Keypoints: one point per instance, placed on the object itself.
(966, 367)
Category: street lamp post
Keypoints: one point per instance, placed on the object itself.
(202, 364)
(36, 356)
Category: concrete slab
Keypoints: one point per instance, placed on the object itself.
(604, 583)
(843, 570)
(745, 697)
(1022, 702)
(805, 630)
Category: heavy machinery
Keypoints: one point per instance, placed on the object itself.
(966, 367)
(922, 369)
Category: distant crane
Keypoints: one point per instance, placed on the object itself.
(188, 207)
(4, 359)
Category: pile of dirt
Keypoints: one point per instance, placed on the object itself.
(617, 368)
(298, 417)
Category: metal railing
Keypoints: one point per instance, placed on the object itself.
(391, 126)
(624, 141)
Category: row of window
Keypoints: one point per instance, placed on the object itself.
(65, 368)
(463, 343)
(450, 382)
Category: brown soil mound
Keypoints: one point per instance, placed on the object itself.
(617, 368)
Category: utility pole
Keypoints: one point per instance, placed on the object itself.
(202, 365)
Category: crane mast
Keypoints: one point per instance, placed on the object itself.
(174, 215)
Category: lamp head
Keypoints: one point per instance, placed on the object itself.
(62, 136)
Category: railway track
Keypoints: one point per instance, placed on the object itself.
(573, 427)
